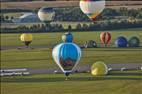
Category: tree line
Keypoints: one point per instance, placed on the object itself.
(109, 19)
(97, 26)
(76, 15)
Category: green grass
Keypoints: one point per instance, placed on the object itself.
(116, 82)
(79, 37)
(77, 84)
(42, 58)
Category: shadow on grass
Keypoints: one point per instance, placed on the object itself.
(62, 79)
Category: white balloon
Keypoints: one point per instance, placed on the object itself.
(92, 8)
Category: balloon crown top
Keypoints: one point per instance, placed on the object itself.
(121, 37)
(68, 33)
(46, 9)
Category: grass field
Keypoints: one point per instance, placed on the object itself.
(116, 82)
(43, 39)
(77, 84)
(41, 57)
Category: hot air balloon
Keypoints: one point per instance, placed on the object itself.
(67, 37)
(99, 69)
(46, 14)
(105, 38)
(90, 44)
(92, 8)
(134, 42)
(121, 42)
(67, 56)
(26, 38)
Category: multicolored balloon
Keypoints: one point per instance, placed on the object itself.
(46, 14)
(121, 42)
(67, 37)
(134, 42)
(26, 38)
(92, 8)
(67, 56)
(105, 38)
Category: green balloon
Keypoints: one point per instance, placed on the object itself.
(134, 42)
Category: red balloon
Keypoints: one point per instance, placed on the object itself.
(105, 38)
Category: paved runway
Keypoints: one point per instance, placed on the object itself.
(86, 68)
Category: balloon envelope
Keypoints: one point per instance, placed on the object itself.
(121, 42)
(90, 44)
(67, 37)
(92, 8)
(46, 14)
(67, 56)
(26, 37)
(134, 42)
(99, 69)
(105, 37)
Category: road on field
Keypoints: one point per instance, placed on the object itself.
(83, 68)
(86, 68)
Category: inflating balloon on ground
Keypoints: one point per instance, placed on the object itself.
(121, 42)
(134, 42)
(90, 44)
(99, 68)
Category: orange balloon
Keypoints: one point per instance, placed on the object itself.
(105, 38)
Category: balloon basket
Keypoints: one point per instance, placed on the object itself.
(67, 78)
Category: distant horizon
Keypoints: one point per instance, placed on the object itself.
(70, 3)
(65, 0)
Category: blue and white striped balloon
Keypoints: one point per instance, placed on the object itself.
(67, 56)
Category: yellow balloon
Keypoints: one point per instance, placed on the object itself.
(99, 69)
(26, 37)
